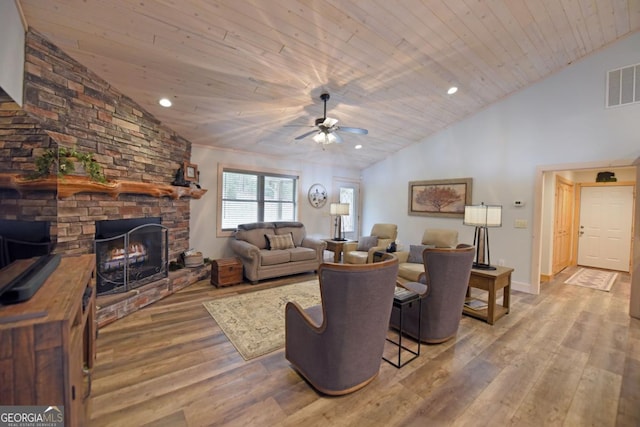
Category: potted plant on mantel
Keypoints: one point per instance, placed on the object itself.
(62, 163)
(66, 160)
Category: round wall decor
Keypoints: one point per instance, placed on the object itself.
(317, 195)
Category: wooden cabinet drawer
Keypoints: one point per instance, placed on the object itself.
(226, 272)
(478, 282)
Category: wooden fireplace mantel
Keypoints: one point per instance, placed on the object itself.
(69, 185)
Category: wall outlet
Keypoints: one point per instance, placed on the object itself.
(521, 223)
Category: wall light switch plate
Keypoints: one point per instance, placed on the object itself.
(521, 223)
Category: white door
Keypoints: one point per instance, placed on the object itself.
(606, 215)
(349, 192)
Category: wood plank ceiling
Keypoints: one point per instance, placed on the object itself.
(247, 75)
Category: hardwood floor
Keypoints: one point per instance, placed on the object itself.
(569, 356)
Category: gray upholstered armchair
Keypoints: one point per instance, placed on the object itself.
(337, 345)
(361, 252)
(444, 285)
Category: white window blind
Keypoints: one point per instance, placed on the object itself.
(249, 196)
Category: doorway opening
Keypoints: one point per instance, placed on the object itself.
(547, 231)
(349, 192)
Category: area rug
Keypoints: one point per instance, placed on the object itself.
(594, 279)
(254, 322)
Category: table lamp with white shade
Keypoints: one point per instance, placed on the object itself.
(339, 209)
(482, 217)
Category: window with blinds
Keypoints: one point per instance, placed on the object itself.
(249, 196)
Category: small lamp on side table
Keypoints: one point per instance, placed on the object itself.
(339, 209)
(482, 216)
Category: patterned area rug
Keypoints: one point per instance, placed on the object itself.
(594, 279)
(254, 322)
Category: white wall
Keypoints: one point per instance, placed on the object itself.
(318, 222)
(560, 120)
(622, 175)
(11, 50)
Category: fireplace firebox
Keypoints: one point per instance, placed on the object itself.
(130, 253)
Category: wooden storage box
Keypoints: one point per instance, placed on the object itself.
(226, 272)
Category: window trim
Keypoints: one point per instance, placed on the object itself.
(220, 232)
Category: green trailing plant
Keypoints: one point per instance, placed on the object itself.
(175, 265)
(64, 160)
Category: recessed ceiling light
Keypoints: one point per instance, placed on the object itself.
(357, 147)
(165, 102)
(452, 90)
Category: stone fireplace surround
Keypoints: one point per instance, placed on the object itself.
(65, 104)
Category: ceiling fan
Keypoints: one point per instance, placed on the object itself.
(327, 127)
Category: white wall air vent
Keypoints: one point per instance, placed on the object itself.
(623, 86)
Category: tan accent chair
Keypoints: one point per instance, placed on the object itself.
(386, 233)
(337, 346)
(444, 287)
(410, 268)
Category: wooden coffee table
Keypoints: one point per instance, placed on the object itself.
(491, 281)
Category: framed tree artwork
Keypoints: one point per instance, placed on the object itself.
(444, 198)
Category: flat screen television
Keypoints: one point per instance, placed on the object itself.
(23, 239)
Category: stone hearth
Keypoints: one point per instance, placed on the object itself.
(116, 306)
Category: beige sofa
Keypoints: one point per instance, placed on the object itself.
(411, 265)
(274, 249)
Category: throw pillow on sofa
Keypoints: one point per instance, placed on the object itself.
(367, 242)
(415, 253)
(280, 241)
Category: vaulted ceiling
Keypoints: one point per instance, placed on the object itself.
(247, 75)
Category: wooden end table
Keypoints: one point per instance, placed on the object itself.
(336, 247)
(491, 281)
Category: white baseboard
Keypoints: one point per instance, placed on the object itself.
(522, 287)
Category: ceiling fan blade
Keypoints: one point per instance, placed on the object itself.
(306, 134)
(353, 130)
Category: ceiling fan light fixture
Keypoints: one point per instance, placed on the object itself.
(452, 90)
(329, 129)
(326, 138)
(320, 138)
